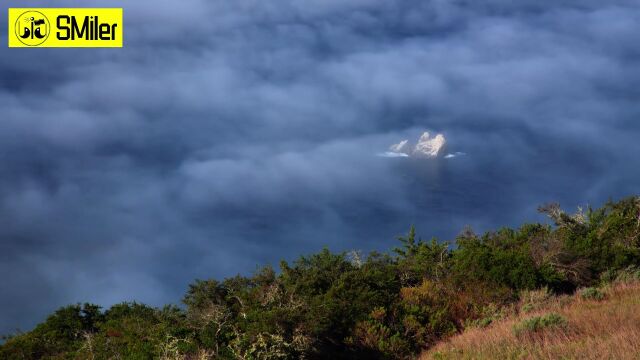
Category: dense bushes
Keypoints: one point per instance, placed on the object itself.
(346, 305)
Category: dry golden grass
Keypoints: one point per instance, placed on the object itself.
(606, 329)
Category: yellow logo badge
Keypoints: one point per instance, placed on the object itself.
(55, 27)
(32, 28)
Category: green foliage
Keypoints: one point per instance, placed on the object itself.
(591, 293)
(342, 306)
(484, 322)
(539, 323)
(487, 315)
(628, 274)
(419, 259)
(534, 299)
(377, 338)
(502, 258)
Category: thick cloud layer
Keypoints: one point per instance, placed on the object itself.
(227, 134)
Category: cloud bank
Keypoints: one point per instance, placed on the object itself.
(126, 173)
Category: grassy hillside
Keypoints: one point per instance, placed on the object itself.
(592, 324)
(390, 305)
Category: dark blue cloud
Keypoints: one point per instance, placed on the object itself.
(227, 134)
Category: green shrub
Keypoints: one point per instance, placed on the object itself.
(631, 273)
(534, 299)
(487, 315)
(628, 274)
(591, 293)
(608, 276)
(539, 323)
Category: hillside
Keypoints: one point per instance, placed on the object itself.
(509, 293)
(593, 328)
